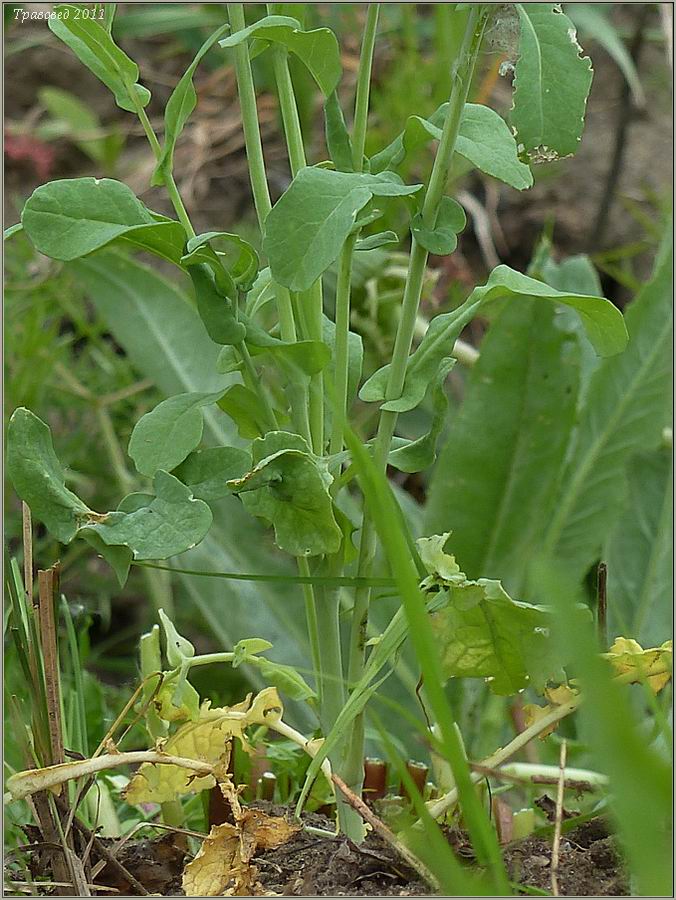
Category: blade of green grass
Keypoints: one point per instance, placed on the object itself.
(326, 581)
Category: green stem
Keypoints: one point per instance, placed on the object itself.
(259, 186)
(343, 288)
(312, 624)
(361, 102)
(254, 384)
(405, 331)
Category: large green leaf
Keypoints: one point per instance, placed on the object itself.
(551, 83)
(603, 324)
(627, 406)
(494, 483)
(172, 522)
(484, 140)
(639, 554)
(483, 633)
(307, 227)
(93, 45)
(73, 217)
(318, 49)
(179, 109)
(289, 487)
(163, 437)
(38, 477)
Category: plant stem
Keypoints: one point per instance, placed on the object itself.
(312, 625)
(251, 376)
(361, 101)
(259, 186)
(462, 76)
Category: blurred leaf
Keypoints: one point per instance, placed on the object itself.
(603, 324)
(306, 228)
(654, 666)
(593, 21)
(627, 406)
(443, 238)
(495, 480)
(73, 119)
(415, 456)
(163, 437)
(178, 648)
(639, 552)
(289, 487)
(551, 83)
(95, 48)
(72, 217)
(179, 109)
(373, 241)
(206, 472)
(246, 410)
(38, 477)
(337, 136)
(318, 49)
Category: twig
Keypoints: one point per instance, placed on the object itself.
(27, 551)
(602, 603)
(29, 887)
(558, 820)
(572, 783)
(388, 836)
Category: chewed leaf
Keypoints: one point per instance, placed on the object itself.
(165, 436)
(289, 487)
(318, 49)
(209, 740)
(38, 477)
(551, 83)
(483, 633)
(206, 472)
(653, 666)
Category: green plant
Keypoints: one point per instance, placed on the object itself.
(257, 367)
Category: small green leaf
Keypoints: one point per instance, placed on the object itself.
(38, 477)
(286, 678)
(484, 140)
(248, 647)
(179, 108)
(118, 558)
(443, 238)
(483, 633)
(289, 487)
(261, 293)
(551, 83)
(246, 411)
(73, 217)
(171, 522)
(603, 323)
(163, 437)
(205, 472)
(373, 241)
(307, 227)
(178, 647)
(243, 269)
(318, 49)
(95, 48)
(337, 136)
(415, 456)
(216, 310)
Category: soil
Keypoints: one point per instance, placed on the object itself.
(309, 865)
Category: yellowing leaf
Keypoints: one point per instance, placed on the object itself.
(557, 696)
(208, 739)
(627, 657)
(533, 713)
(222, 867)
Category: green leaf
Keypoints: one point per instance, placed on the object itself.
(373, 241)
(484, 140)
(216, 310)
(246, 410)
(179, 108)
(414, 456)
(38, 477)
(337, 136)
(261, 293)
(73, 217)
(603, 324)
(355, 364)
(248, 646)
(495, 480)
(171, 523)
(118, 558)
(483, 633)
(306, 228)
(244, 268)
(163, 437)
(178, 648)
(551, 83)
(289, 487)
(317, 49)
(628, 404)
(12, 230)
(639, 553)
(72, 118)
(443, 238)
(95, 48)
(286, 678)
(205, 472)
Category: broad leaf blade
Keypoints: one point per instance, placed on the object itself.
(551, 83)
(627, 407)
(494, 483)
